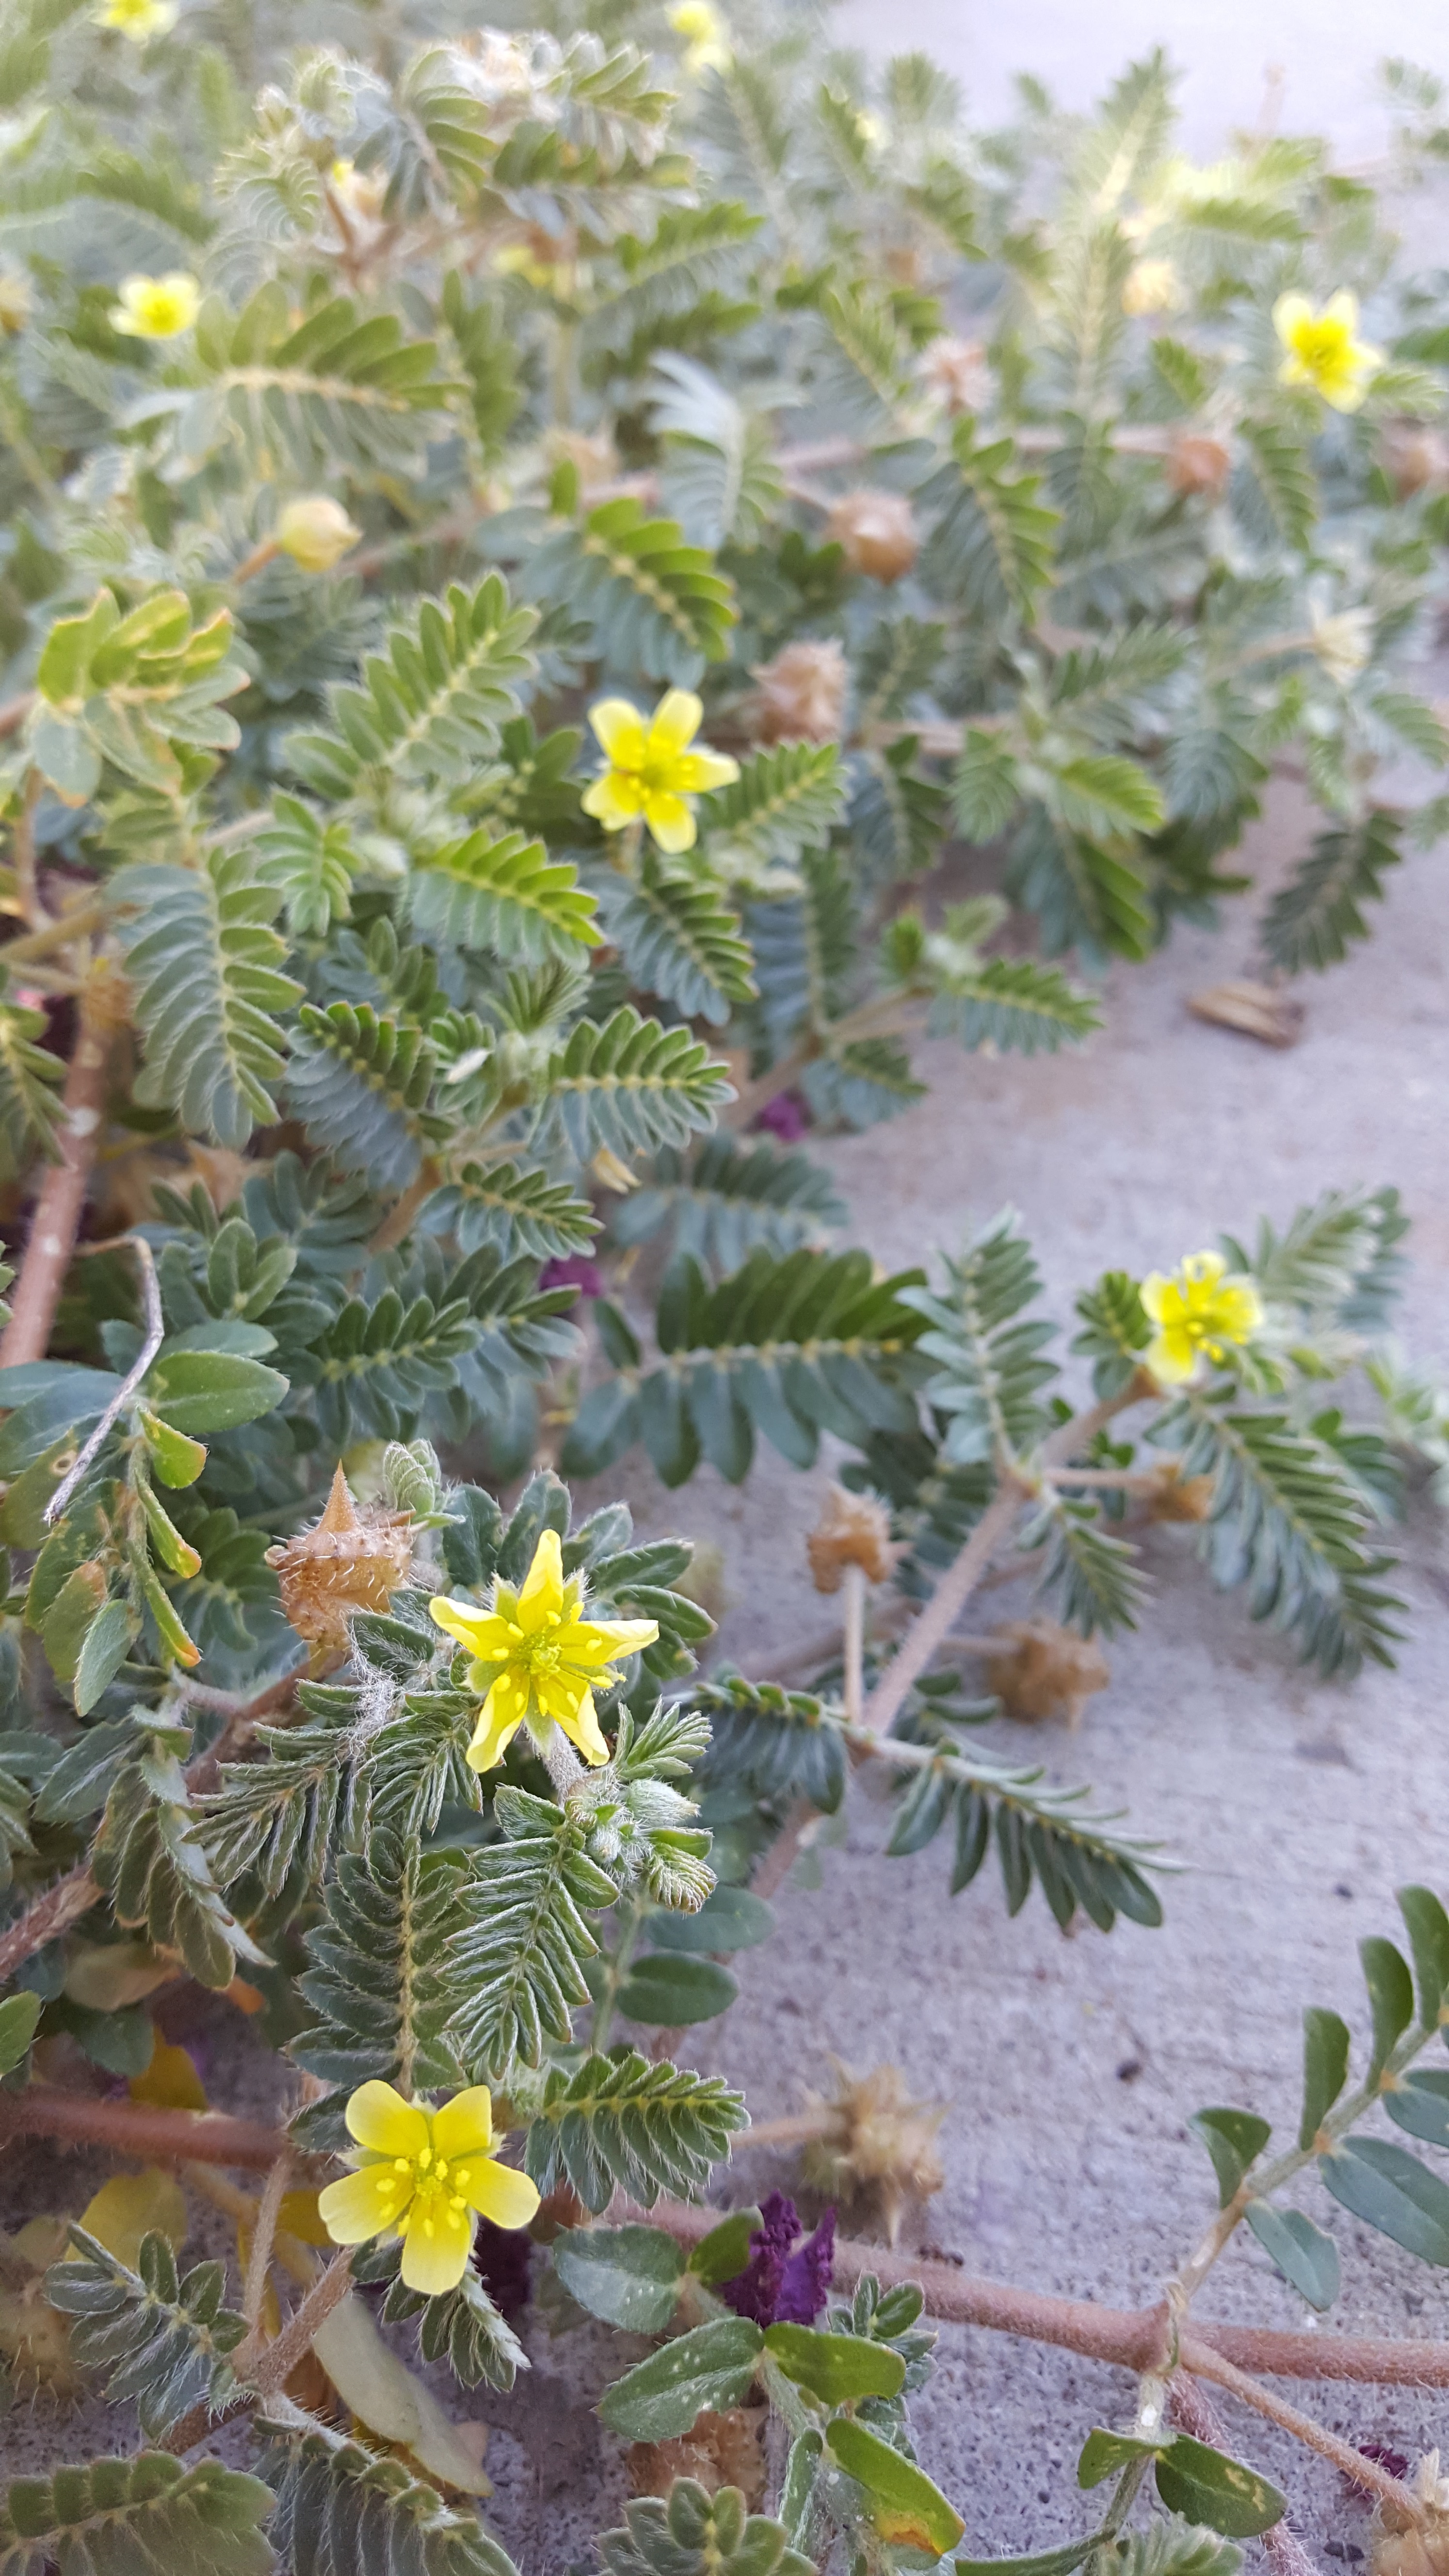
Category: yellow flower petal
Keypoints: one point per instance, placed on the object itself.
(497, 2192)
(436, 2248)
(541, 1599)
(1289, 315)
(364, 2204)
(696, 771)
(1343, 307)
(1155, 1288)
(670, 821)
(573, 1710)
(464, 2126)
(499, 1720)
(597, 1641)
(1171, 1359)
(486, 1636)
(675, 722)
(614, 799)
(379, 2118)
(1204, 1268)
(620, 732)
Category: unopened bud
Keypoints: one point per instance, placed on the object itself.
(316, 533)
(1151, 286)
(878, 532)
(1038, 1669)
(1414, 459)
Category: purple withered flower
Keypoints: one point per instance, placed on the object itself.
(779, 2285)
(577, 1271)
(786, 1116)
(500, 2258)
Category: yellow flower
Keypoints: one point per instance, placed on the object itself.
(536, 1658)
(138, 19)
(421, 2175)
(706, 47)
(156, 308)
(1322, 349)
(651, 768)
(1197, 1312)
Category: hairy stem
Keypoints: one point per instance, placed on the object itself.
(1198, 2356)
(1283, 2549)
(854, 1643)
(78, 923)
(259, 2260)
(58, 1209)
(50, 1915)
(277, 2360)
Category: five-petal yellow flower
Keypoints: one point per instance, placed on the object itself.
(535, 1657)
(138, 19)
(421, 2175)
(652, 769)
(1198, 1311)
(157, 308)
(703, 29)
(1323, 350)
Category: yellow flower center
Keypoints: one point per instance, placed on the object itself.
(1323, 346)
(423, 2188)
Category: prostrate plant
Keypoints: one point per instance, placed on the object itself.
(364, 451)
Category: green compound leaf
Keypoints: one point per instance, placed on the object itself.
(1392, 2191)
(904, 2505)
(1304, 2255)
(163, 2339)
(694, 2533)
(629, 2276)
(505, 897)
(111, 2516)
(1233, 2139)
(1205, 2485)
(711, 2367)
(204, 967)
(651, 599)
(626, 2122)
(836, 2368)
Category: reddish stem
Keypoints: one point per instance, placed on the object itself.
(58, 1209)
(139, 2129)
(50, 1915)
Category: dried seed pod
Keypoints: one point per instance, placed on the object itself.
(956, 372)
(720, 2450)
(874, 2138)
(1175, 1497)
(1414, 459)
(802, 694)
(1262, 1011)
(853, 1529)
(1198, 464)
(1041, 1670)
(878, 532)
(348, 1561)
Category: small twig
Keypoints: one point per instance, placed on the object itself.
(944, 1607)
(259, 2260)
(296, 2259)
(1189, 2405)
(51, 1914)
(1117, 1480)
(78, 923)
(775, 1865)
(1196, 2354)
(140, 2128)
(155, 1334)
(58, 1209)
(854, 1576)
(276, 2361)
(22, 854)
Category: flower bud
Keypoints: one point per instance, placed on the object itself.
(802, 694)
(316, 533)
(878, 532)
(1197, 464)
(1151, 286)
(349, 1561)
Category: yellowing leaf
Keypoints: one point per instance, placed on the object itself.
(129, 2206)
(105, 1975)
(299, 2218)
(170, 2082)
(383, 2393)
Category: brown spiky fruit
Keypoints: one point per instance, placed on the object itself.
(853, 1529)
(874, 2139)
(957, 373)
(1175, 1497)
(1038, 1670)
(1198, 464)
(878, 533)
(719, 2450)
(802, 694)
(348, 1561)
